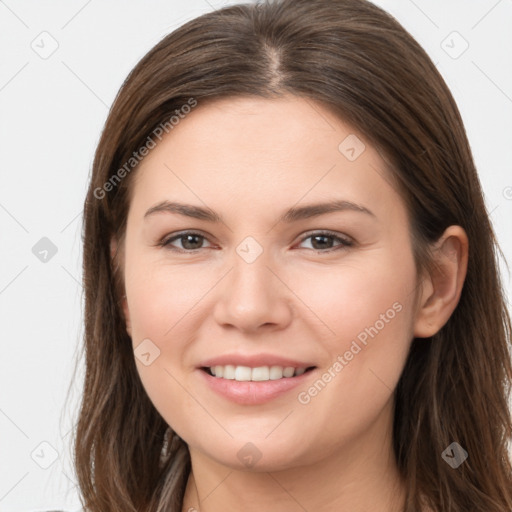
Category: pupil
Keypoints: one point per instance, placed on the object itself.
(187, 239)
(321, 237)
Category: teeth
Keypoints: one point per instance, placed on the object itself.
(261, 373)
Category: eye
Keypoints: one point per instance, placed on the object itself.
(190, 241)
(322, 241)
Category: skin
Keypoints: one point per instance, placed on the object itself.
(250, 159)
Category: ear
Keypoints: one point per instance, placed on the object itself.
(441, 289)
(124, 303)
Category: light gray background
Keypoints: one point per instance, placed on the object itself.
(52, 111)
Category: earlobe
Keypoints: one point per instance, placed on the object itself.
(442, 289)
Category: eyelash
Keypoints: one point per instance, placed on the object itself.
(345, 243)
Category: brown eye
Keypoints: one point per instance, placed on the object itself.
(323, 241)
(190, 241)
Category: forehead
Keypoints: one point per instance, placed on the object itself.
(254, 152)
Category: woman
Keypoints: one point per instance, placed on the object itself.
(232, 359)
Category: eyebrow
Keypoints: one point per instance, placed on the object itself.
(292, 215)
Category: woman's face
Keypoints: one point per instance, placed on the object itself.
(266, 287)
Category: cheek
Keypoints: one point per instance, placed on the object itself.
(352, 298)
(357, 384)
(161, 296)
(369, 311)
(162, 302)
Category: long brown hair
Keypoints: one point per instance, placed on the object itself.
(357, 60)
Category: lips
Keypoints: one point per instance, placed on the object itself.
(271, 376)
(254, 392)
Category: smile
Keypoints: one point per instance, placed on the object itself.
(244, 385)
(260, 373)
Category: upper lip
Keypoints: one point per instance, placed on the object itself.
(253, 361)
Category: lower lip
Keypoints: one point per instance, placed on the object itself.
(253, 392)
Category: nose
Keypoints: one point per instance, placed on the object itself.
(253, 296)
